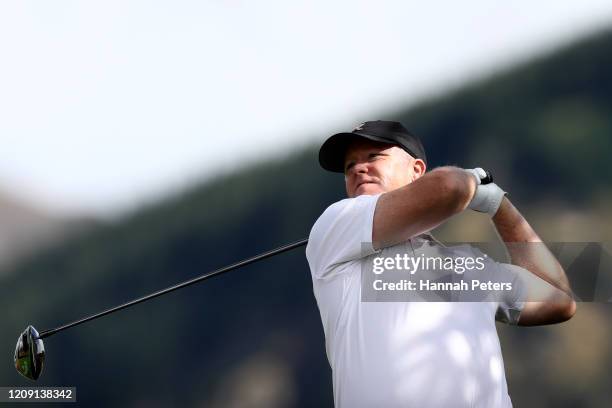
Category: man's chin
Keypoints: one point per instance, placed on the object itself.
(368, 189)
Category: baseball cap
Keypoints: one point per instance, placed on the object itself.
(331, 154)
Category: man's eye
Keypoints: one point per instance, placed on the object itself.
(349, 166)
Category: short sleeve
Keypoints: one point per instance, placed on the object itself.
(512, 303)
(343, 233)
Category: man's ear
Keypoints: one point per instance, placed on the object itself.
(418, 167)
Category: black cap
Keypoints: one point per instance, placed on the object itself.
(331, 154)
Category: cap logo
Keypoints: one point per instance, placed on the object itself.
(359, 127)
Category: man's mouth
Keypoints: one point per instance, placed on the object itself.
(363, 182)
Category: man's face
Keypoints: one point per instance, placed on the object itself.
(373, 167)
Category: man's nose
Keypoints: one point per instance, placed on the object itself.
(360, 167)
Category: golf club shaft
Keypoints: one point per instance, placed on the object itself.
(50, 332)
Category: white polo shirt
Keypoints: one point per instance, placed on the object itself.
(401, 354)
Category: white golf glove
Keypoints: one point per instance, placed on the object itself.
(488, 196)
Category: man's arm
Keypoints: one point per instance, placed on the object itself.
(558, 305)
(421, 205)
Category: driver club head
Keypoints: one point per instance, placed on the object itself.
(29, 354)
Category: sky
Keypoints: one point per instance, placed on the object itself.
(105, 105)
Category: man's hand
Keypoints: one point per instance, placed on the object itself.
(487, 199)
(488, 195)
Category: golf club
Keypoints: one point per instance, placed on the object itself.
(30, 350)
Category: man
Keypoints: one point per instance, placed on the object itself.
(417, 354)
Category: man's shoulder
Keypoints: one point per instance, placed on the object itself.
(342, 224)
(327, 217)
(346, 203)
(346, 206)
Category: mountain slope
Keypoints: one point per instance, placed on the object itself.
(25, 229)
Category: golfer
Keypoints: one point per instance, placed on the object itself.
(418, 354)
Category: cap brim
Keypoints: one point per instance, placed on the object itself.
(331, 154)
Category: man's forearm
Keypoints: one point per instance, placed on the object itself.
(522, 244)
(421, 205)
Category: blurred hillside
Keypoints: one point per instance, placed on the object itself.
(25, 229)
(253, 338)
(547, 123)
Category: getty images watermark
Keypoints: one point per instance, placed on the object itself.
(430, 265)
(424, 270)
